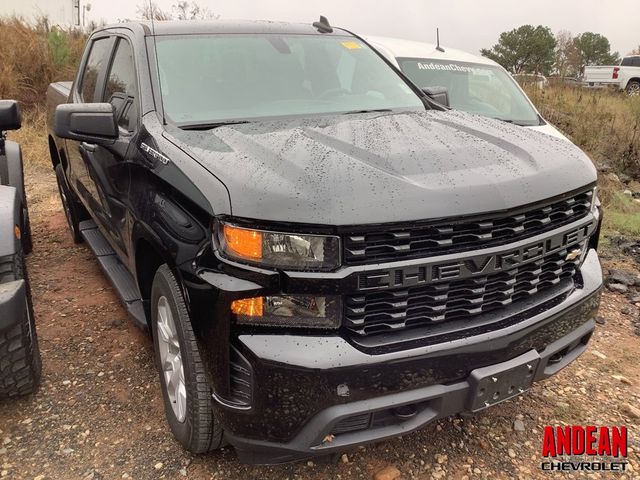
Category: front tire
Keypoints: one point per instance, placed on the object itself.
(185, 389)
(633, 88)
(73, 211)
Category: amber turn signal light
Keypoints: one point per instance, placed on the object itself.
(243, 242)
(251, 307)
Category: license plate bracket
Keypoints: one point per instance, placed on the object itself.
(496, 383)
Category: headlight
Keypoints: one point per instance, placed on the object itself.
(596, 210)
(306, 311)
(289, 251)
(595, 201)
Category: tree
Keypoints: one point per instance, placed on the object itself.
(568, 61)
(635, 51)
(594, 49)
(147, 10)
(185, 10)
(526, 49)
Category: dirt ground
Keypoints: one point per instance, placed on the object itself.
(98, 413)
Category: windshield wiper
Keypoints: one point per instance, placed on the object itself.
(352, 112)
(520, 124)
(212, 125)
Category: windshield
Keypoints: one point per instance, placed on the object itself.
(217, 78)
(474, 87)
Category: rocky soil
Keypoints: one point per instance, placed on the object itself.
(99, 415)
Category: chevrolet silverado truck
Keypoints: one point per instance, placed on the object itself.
(324, 256)
(625, 76)
(20, 364)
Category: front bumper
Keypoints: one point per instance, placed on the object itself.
(309, 389)
(13, 303)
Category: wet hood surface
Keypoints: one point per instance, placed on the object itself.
(384, 167)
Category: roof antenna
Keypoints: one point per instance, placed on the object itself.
(438, 47)
(155, 51)
(323, 25)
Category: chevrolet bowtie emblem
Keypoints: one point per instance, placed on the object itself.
(573, 254)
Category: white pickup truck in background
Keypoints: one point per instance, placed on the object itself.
(625, 76)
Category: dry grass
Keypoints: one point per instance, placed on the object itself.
(32, 137)
(32, 56)
(605, 124)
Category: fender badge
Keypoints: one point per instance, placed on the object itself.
(573, 254)
(154, 153)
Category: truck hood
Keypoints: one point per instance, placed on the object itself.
(384, 167)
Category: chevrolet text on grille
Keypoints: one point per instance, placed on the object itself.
(473, 266)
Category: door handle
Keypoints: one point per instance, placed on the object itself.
(89, 147)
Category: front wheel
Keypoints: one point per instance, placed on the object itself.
(185, 388)
(633, 88)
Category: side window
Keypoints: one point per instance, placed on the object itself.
(98, 57)
(122, 89)
(627, 62)
(636, 61)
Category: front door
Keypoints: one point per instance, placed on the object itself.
(107, 165)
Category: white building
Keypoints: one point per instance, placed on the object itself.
(60, 12)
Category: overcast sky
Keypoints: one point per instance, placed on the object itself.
(465, 24)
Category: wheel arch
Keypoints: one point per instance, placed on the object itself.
(148, 257)
(632, 79)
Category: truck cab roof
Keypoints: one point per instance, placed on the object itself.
(181, 27)
(396, 47)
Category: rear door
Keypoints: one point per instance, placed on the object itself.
(107, 165)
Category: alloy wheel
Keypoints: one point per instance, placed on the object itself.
(171, 360)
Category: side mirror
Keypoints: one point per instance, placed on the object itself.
(86, 122)
(438, 94)
(9, 115)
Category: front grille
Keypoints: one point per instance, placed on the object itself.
(419, 306)
(388, 243)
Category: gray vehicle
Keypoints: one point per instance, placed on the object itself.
(20, 363)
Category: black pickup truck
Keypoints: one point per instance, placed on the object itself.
(324, 255)
(20, 364)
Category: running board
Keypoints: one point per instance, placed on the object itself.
(116, 272)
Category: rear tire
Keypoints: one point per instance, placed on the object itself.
(633, 88)
(20, 363)
(73, 210)
(185, 389)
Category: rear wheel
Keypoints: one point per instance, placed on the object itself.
(185, 388)
(633, 88)
(20, 363)
(73, 210)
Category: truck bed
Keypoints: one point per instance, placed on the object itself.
(599, 75)
(57, 93)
